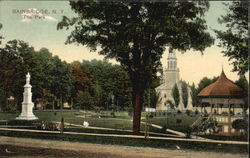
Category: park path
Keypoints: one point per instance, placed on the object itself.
(130, 136)
(114, 150)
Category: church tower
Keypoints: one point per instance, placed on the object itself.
(172, 72)
(170, 78)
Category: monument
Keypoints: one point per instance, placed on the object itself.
(27, 104)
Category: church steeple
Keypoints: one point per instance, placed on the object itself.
(172, 60)
(172, 71)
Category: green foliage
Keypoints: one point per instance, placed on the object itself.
(136, 34)
(194, 94)
(242, 83)
(81, 78)
(208, 124)
(1, 37)
(204, 82)
(50, 77)
(184, 94)
(235, 38)
(170, 103)
(188, 112)
(108, 79)
(176, 95)
(151, 98)
(240, 124)
(84, 101)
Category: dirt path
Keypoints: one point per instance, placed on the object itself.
(25, 147)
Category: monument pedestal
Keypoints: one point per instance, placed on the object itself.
(27, 104)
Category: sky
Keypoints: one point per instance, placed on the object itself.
(40, 31)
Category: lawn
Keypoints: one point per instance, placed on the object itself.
(75, 117)
(6, 116)
(121, 120)
(178, 122)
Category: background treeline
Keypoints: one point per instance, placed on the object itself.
(91, 85)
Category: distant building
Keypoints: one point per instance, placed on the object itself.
(171, 77)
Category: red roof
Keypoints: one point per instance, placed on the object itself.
(223, 87)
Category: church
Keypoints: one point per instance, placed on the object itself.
(170, 77)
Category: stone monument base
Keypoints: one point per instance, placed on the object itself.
(27, 117)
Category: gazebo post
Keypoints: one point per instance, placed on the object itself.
(233, 109)
(211, 105)
(217, 107)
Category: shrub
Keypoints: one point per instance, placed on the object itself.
(112, 114)
(151, 116)
(196, 112)
(188, 112)
(15, 122)
(188, 132)
(178, 121)
(239, 124)
(164, 128)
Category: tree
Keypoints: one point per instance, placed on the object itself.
(1, 37)
(184, 94)
(235, 38)
(176, 95)
(170, 103)
(204, 82)
(136, 34)
(194, 95)
(243, 83)
(61, 76)
(109, 78)
(17, 58)
(239, 124)
(13, 68)
(82, 81)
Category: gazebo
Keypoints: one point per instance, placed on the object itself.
(225, 100)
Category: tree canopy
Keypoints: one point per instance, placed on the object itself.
(136, 34)
(176, 95)
(235, 38)
(184, 93)
(49, 75)
(1, 37)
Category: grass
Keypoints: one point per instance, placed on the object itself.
(170, 121)
(6, 116)
(121, 121)
(167, 144)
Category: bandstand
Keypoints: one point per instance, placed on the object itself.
(225, 102)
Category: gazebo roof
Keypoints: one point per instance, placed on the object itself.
(223, 87)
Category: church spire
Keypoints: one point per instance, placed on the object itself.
(172, 60)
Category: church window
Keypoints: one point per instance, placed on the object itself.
(165, 96)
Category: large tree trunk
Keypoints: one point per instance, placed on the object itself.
(137, 100)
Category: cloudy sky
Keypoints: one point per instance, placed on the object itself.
(38, 28)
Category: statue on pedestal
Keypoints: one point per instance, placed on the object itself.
(27, 104)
